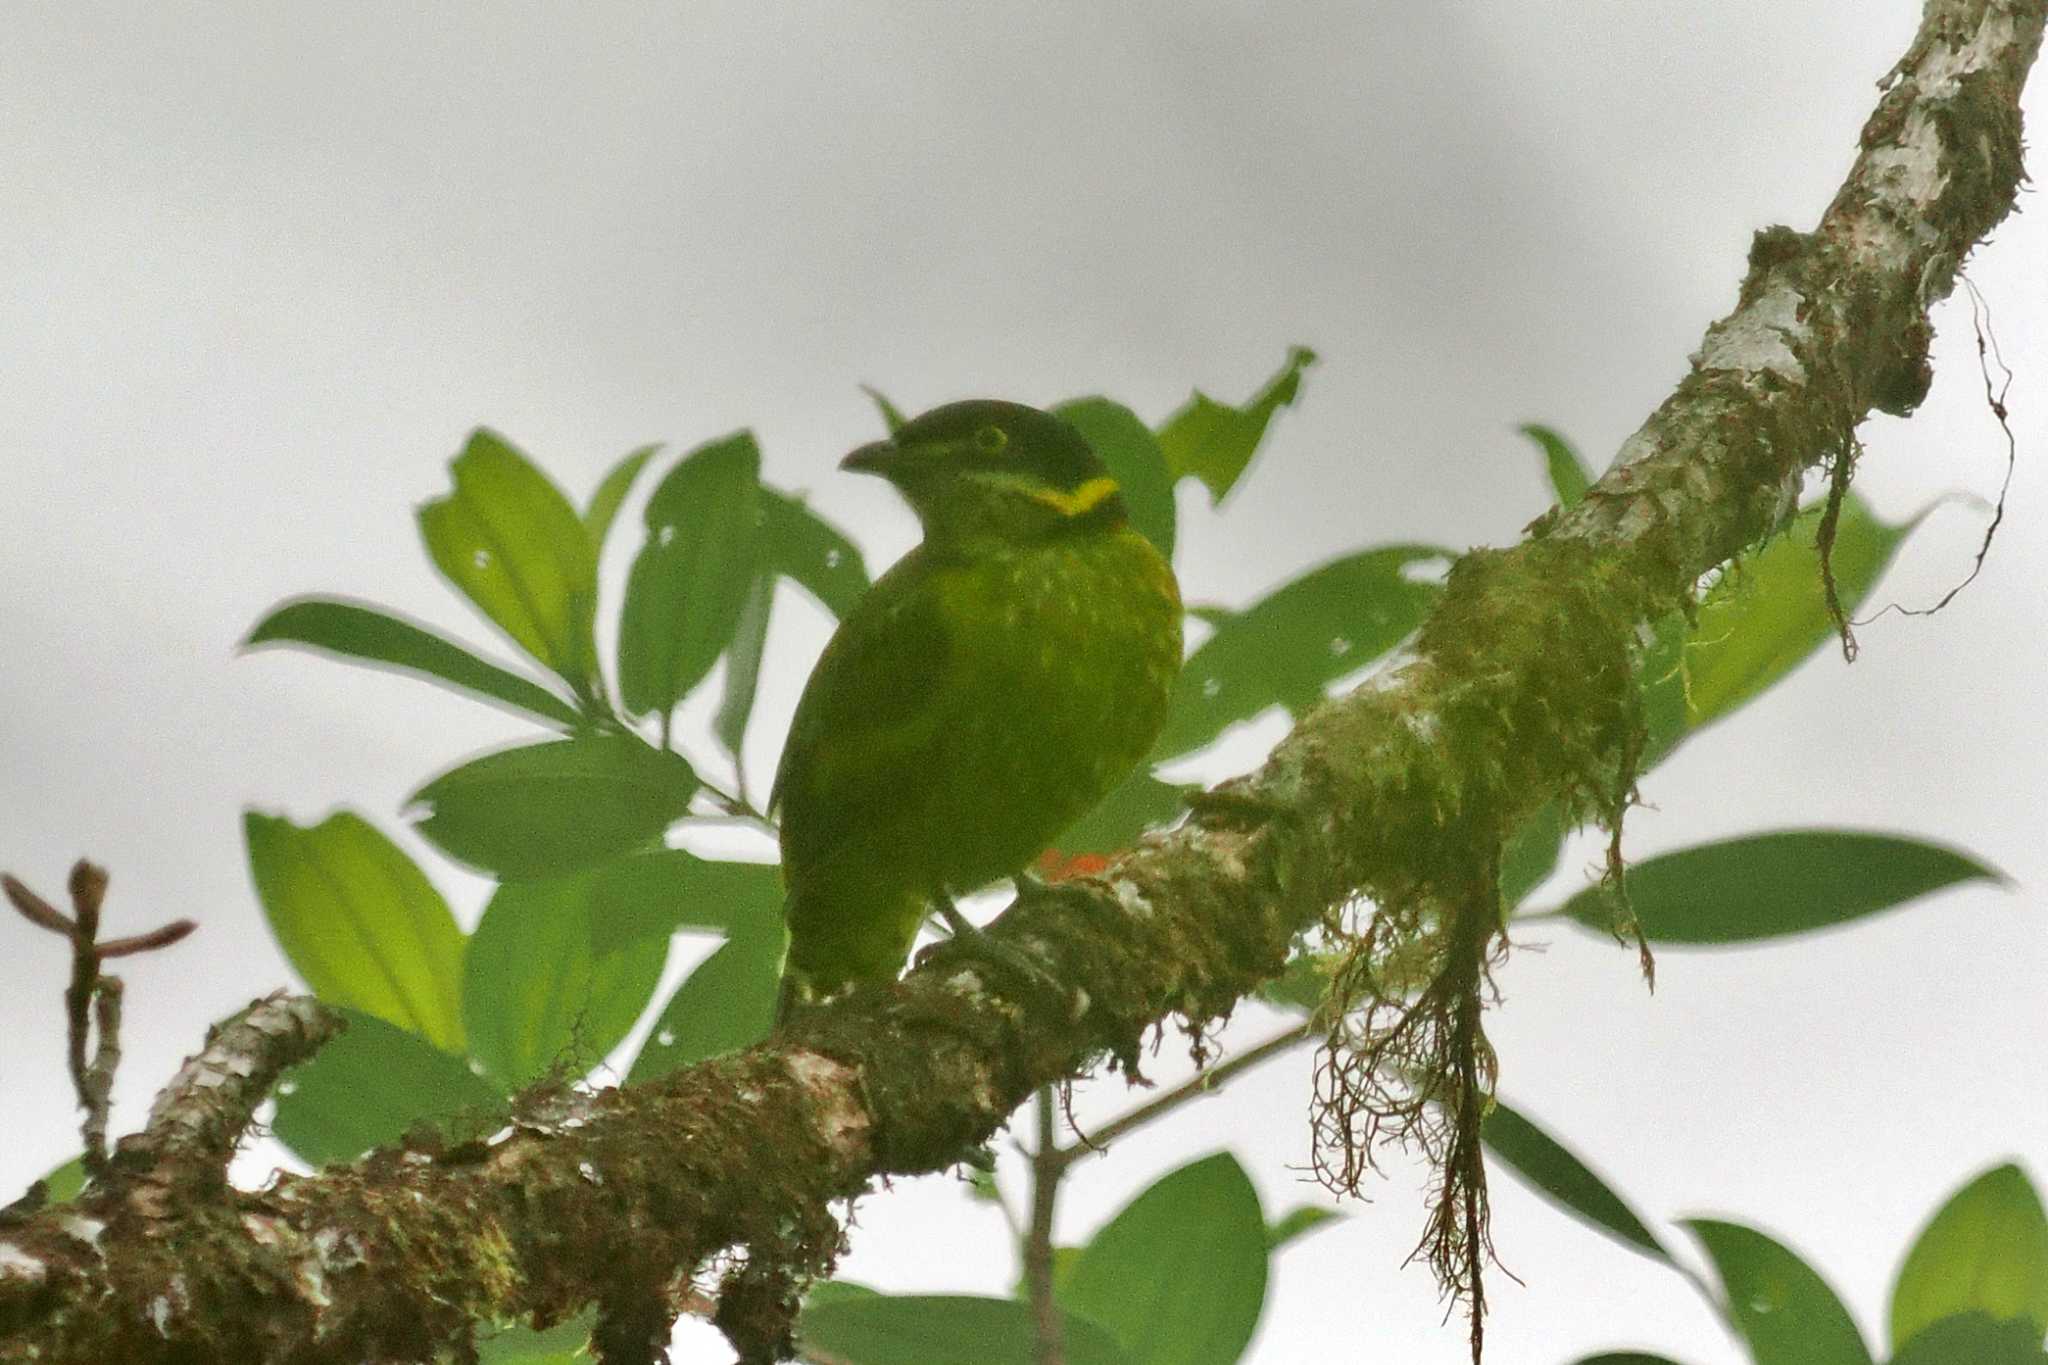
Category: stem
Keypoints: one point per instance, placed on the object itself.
(1046, 1170)
(1195, 1087)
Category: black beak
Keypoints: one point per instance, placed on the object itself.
(876, 457)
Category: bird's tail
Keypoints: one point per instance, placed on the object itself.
(795, 992)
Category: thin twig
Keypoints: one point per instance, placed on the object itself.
(88, 892)
(1049, 1345)
(92, 1000)
(35, 909)
(96, 1087)
(164, 937)
(1194, 1088)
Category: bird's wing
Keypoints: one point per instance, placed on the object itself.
(871, 714)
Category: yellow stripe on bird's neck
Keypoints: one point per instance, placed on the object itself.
(1078, 502)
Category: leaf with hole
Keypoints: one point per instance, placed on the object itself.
(359, 921)
(1778, 1303)
(1214, 442)
(689, 582)
(726, 1004)
(507, 538)
(811, 552)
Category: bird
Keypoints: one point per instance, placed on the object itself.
(988, 690)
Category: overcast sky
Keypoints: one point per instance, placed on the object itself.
(263, 266)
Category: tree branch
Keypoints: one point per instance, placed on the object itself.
(1519, 690)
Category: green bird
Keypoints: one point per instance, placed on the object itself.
(987, 691)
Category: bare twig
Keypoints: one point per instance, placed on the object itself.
(1049, 1345)
(35, 909)
(1202, 1084)
(92, 1000)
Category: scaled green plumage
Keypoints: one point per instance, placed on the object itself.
(986, 692)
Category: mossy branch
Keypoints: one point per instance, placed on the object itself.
(1519, 691)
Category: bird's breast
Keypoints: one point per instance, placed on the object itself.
(1074, 647)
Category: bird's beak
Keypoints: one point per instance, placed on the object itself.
(876, 457)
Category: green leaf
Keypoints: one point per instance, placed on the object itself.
(515, 547)
(1289, 647)
(1135, 461)
(1763, 886)
(370, 1085)
(1214, 441)
(1138, 803)
(611, 494)
(1975, 1339)
(892, 416)
(981, 1185)
(743, 668)
(535, 996)
(1626, 1358)
(1298, 1222)
(689, 583)
(1302, 983)
(1762, 619)
(652, 895)
(1179, 1276)
(563, 1344)
(1531, 855)
(1544, 1164)
(1782, 1308)
(726, 1004)
(941, 1329)
(544, 809)
(837, 1291)
(357, 630)
(811, 552)
(1569, 477)
(360, 922)
(1985, 1250)
(62, 1185)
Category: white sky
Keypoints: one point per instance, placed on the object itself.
(261, 267)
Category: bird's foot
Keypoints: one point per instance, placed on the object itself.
(1087, 900)
(969, 941)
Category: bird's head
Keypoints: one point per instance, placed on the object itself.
(986, 469)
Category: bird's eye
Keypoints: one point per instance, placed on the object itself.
(991, 440)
